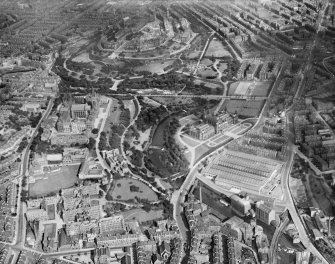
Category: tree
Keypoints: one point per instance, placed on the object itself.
(146, 207)
(95, 131)
(91, 143)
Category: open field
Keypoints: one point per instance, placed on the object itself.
(51, 211)
(207, 73)
(200, 151)
(249, 88)
(129, 104)
(142, 216)
(127, 189)
(84, 57)
(217, 49)
(50, 230)
(189, 141)
(193, 55)
(114, 114)
(65, 178)
(207, 62)
(244, 108)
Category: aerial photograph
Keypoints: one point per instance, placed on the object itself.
(167, 132)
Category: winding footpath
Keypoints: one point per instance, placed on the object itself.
(132, 122)
(225, 90)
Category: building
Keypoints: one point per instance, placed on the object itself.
(53, 159)
(221, 120)
(264, 213)
(77, 228)
(165, 250)
(31, 107)
(120, 240)
(202, 131)
(80, 110)
(74, 155)
(317, 234)
(91, 169)
(114, 224)
(302, 257)
(68, 140)
(240, 206)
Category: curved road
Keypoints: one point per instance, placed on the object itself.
(20, 234)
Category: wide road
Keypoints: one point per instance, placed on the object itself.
(288, 198)
(304, 237)
(20, 233)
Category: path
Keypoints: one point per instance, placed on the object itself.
(103, 117)
(203, 52)
(125, 156)
(225, 89)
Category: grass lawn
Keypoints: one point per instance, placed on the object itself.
(50, 230)
(200, 151)
(217, 49)
(193, 55)
(245, 109)
(141, 215)
(51, 211)
(114, 114)
(250, 88)
(65, 178)
(208, 73)
(129, 104)
(154, 67)
(122, 190)
(144, 137)
(187, 140)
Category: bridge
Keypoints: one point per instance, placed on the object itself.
(206, 96)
